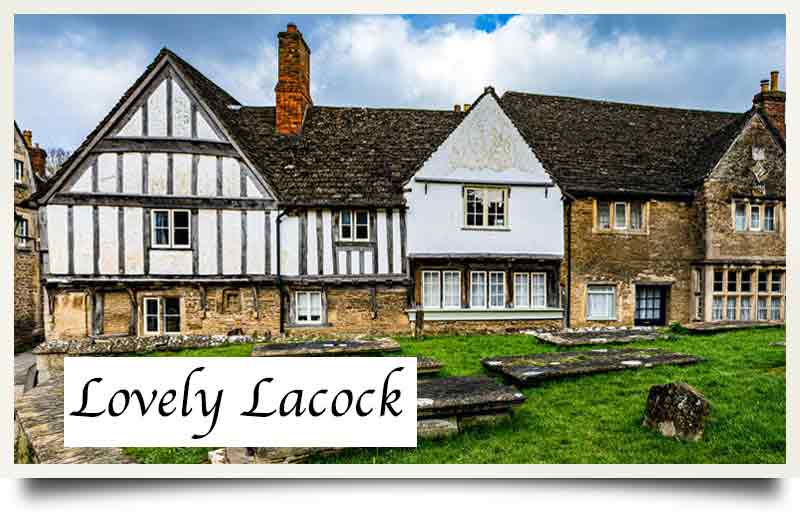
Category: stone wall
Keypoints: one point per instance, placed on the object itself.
(662, 254)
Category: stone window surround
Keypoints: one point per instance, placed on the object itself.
(291, 320)
(161, 315)
(506, 191)
(614, 303)
(645, 228)
(749, 205)
(171, 229)
(754, 294)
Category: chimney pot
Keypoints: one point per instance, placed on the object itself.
(773, 76)
(457, 108)
(466, 107)
(291, 27)
(27, 135)
(765, 86)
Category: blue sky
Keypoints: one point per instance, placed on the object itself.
(70, 70)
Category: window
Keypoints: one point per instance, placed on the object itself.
(171, 229)
(759, 154)
(309, 307)
(451, 296)
(776, 281)
(718, 281)
(162, 315)
(731, 308)
(18, 176)
(354, 225)
(637, 216)
(232, 302)
(755, 217)
(746, 283)
(486, 207)
(539, 286)
(497, 289)
(769, 218)
(620, 218)
(603, 215)
(741, 216)
(775, 308)
(744, 308)
(601, 303)
(522, 291)
(763, 278)
(732, 281)
(697, 289)
(21, 232)
(477, 289)
(716, 308)
(431, 289)
(762, 309)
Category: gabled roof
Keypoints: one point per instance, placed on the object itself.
(593, 146)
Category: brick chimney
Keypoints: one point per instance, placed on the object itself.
(771, 102)
(292, 92)
(38, 155)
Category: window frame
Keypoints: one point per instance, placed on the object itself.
(616, 225)
(773, 218)
(354, 225)
(146, 315)
(21, 239)
(310, 293)
(528, 295)
(438, 295)
(755, 208)
(444, 303)
(161, 315)
(613, 219)
(484, 190)
(19, 171)
(472, 275)
(533, 304)
(613, 293)
(171, 229)
(489, 289)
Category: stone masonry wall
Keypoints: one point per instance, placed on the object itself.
(661, 255)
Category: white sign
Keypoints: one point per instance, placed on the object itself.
(240, 402)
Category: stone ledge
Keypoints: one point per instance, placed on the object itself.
(136, 344)
(325, 348)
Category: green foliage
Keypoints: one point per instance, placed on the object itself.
(597, 418)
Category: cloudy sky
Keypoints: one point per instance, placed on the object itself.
(70, 70)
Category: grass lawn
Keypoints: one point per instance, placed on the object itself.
(594, 419)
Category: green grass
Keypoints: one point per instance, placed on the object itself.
(595, 419)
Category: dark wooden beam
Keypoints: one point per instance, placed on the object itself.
(165, 145)
(131, 200)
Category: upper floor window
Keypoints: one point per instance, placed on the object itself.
(21, 232)
(18, 175)
(354, 225)
(486, 207)
(754, 217)
(171, 229)
(627, 216)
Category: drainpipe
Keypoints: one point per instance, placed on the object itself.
(278, 278)
(569, 262)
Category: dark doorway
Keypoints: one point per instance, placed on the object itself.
(651, 305)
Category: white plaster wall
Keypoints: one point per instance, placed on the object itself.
(84, 182)
(256, 243)
(107, 173)
(157, 111)
(108, 221)
(207, 241)
(368, 262)
(231, 178)
(273, 242)
(170, 262)
(342, 257)
(485, 147)
(207, 176)
(252, 188)
(383, 247)
(290, 263)
(312, 262)
(355, 262)
(83, 239)
(57, 233)
(157, 174)
(134, 240)
(397, 249)
(204, 130)
(327, 244)
(133, 128)
(181, 174)
(181, 112)
(132, 173)
(231, 242)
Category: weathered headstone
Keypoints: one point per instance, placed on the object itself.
(676, 410)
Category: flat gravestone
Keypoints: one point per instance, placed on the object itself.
(527, 370)
(464, 396)
(428, 366)
(325, 348)
(589, 337)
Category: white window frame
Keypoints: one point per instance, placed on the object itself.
(157, 315)
(164, 315)
(170, 229)
(489, 289)
(533, 293)
(19, 171)
(21, 233)
(774, 217)
(745, 222)
(527, 297)
(354, 225)
(436, 302)
(457, 303)
(610, 217)
(755, 208)
(484, 190)
(613, 292)
(717, 308)
(472, 276)
(624, 225)
(310, 295)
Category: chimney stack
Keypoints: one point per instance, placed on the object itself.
(293, 90)
(457, 108)
(38, 155)
(771, 102)
(27, 135)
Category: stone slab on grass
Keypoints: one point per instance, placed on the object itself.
(39, 415)
(528, 370)
(326, 348)
(428, 366)
(464, 396)
(711, 327)
(589, 337)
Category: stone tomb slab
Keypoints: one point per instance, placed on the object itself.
(590, 337)
(428, 365)
(464, 396)
(325, 348)
(528, 370)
